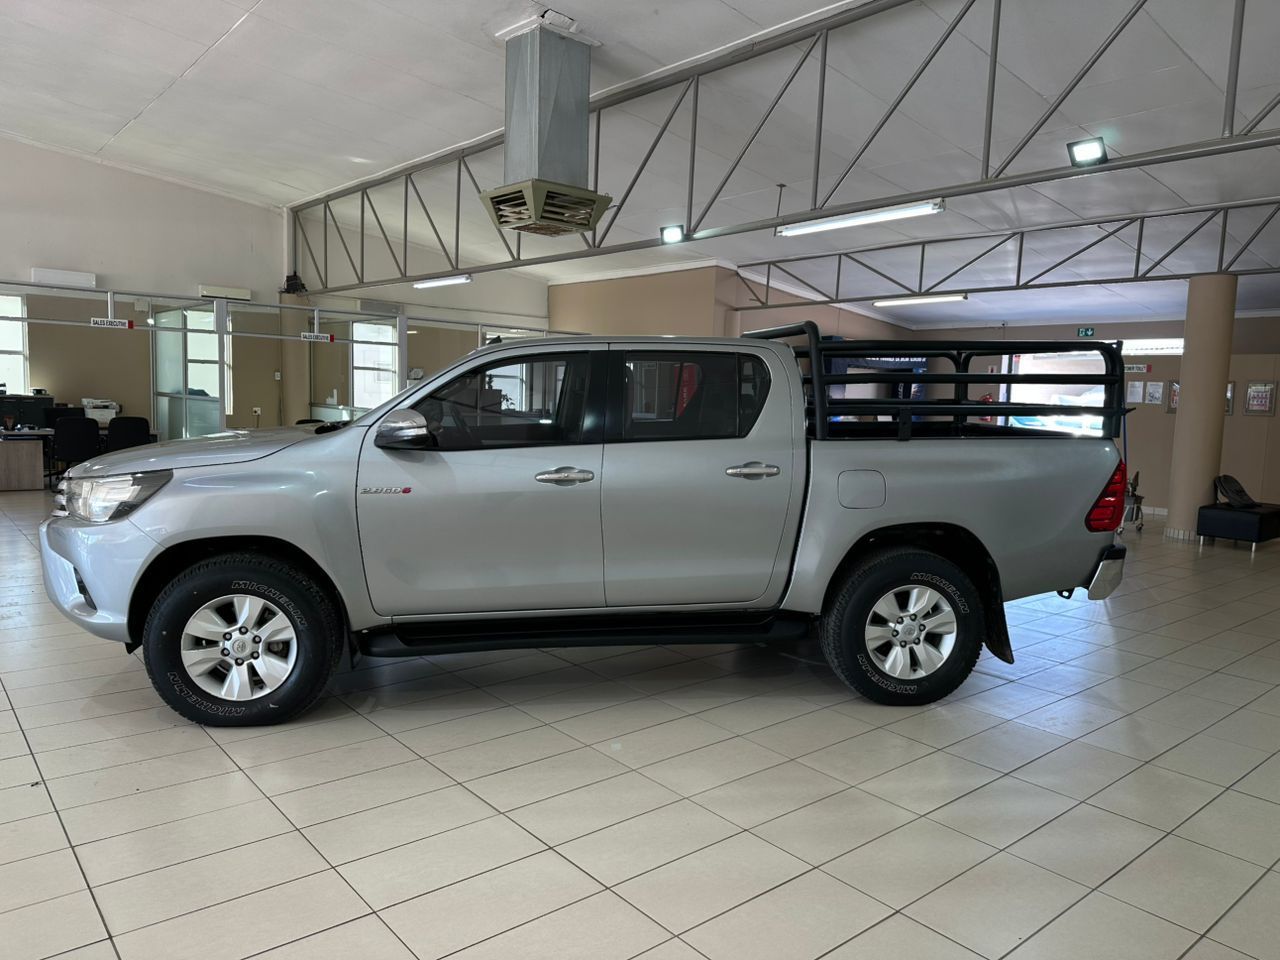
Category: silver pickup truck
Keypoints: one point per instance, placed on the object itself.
(583, 490)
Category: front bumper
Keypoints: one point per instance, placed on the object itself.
(1108, 574)
(90, 570)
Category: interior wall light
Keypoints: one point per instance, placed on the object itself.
(1087, 153)
(442, 281)
(901, 212)
(673, 233)
(915, 301)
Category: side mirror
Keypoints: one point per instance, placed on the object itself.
(404, 430)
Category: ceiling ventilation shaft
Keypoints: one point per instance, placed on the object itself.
(548, 84)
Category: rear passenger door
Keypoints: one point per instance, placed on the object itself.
(698, 471)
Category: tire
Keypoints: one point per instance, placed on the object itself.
(917, 671)
(283, 639)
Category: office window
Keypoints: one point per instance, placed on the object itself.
(513, 403)
(185, 374)
(373, 365)
(13, 345)
(693, 396)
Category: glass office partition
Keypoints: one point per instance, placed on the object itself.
(357, 370)
(189, 399)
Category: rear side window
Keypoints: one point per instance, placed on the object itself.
(692, 396)
(528, 401)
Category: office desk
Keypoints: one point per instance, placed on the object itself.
(22, 460)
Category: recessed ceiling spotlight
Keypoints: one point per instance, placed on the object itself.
(902, 212)
(673, 233)
(915, 301)
(442, 281)
(1087, 153)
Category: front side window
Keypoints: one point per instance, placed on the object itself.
(692, 396)
(13, 346)
(538, 400)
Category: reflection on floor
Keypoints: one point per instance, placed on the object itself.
(1115, 792)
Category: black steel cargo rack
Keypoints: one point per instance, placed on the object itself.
(959, 407)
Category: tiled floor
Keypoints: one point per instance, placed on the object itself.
(1115, 793)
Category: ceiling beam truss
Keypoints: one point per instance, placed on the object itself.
(810, 42)
(1146, 262)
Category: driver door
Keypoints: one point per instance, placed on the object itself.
(504, 515)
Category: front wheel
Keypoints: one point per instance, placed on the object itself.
(239, 640)
(905, 628)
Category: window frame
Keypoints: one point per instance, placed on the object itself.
(393, 343)
(24, 351)
(616, 415)
(593, 411)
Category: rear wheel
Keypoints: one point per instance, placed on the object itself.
(240, 640)
(905, 628)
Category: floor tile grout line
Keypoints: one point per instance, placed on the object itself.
(323, 859)
(1127, 713)
(102, 919)
(122, 763)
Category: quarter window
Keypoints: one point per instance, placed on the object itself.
(692, 396)
(530, 401)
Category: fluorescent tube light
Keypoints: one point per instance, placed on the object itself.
(922, 209)
(913, 301)
(442, 281)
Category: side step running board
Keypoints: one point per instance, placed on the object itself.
(460, 636)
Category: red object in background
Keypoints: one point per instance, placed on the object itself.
(986, 398)
(1108, 510)
(688, 386)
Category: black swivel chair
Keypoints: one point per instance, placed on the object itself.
(53, 414)
(125, 432)
(75, 439)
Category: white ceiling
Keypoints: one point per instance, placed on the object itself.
(277, 100)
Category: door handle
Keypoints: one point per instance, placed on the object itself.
(753, 470)
(565, 476)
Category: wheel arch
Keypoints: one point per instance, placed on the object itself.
(953, 542)
(167, 564)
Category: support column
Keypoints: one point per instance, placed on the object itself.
(1197, 430)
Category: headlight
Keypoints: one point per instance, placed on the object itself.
(99, 499)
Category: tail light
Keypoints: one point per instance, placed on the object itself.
(1108, 510)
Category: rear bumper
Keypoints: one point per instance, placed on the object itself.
(1108, 574)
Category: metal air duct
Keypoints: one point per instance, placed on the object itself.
(545, 164)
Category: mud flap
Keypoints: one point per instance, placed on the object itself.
(997, 639)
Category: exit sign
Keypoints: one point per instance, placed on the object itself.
(1084, 331)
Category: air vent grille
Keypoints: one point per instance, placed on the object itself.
(545, 208)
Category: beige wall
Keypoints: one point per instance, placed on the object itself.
(694, 303)
(254, 363)
(431, 348)
(678, 302)
(832, 321)
(135, 232)
(77, 362)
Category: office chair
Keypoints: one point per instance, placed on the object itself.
(75, 439)
(53, 414)
(124, 432)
